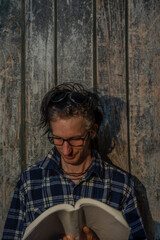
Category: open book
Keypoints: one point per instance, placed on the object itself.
(107, 222)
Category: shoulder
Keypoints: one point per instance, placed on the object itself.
(121, 185)
(117, 175)
(29, 175)
(35, 173)
(36, 170)
(112, 174)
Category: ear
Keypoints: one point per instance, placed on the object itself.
(94, 130)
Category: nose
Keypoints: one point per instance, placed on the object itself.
(66, 148)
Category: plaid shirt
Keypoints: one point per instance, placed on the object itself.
(43, 185)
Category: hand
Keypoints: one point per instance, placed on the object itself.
(87, 234)
(67, 237)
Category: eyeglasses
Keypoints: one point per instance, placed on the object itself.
(74, 97)
(74, 142)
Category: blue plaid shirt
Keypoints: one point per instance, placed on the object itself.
(43, 185)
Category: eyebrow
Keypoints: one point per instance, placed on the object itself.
(78, 136)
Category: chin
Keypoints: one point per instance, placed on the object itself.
(73, 161)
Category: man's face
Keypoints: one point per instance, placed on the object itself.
(73, 127)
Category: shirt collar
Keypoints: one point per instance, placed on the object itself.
(52, 162)
(96, 165)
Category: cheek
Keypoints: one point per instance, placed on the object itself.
(86, 147)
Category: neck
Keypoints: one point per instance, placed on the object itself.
(71, 168)
(76, 172)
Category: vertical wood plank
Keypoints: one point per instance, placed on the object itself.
(39, 72)
(111, 77)
(10, 105)
(75, 51)
(74, 41)
(144, 95)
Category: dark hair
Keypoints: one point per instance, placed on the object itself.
(87, 105)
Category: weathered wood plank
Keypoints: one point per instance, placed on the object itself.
(74, 41)
(10, 105)
(39, 72)
(111, 76)
(144, 95)
(76, 47)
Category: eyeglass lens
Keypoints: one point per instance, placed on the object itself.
(72, 142)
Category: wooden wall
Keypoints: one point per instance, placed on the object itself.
(110, 46)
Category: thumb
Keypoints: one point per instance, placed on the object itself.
(86, 230)
(69, 237)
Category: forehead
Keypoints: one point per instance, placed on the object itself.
(69, 127)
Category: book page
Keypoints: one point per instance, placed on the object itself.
(105, 225)
(92, 202)
(55, 224)
(106, 222)
(72, 222)
(48, 228)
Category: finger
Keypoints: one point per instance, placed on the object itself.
(87, 230)
(64, 238)
(70, 237)
(89, 234)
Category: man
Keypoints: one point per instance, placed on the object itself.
(73, 169)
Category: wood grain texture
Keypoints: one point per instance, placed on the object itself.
(74, 41)
(84, 41)
(39, 73)
(111, 76)
(10, 105)
(144, 98)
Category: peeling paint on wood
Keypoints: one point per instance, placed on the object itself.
(111, 77)
(68, 39)
(144, 86)
(74, 38)
(39, 72)
(10, 104)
